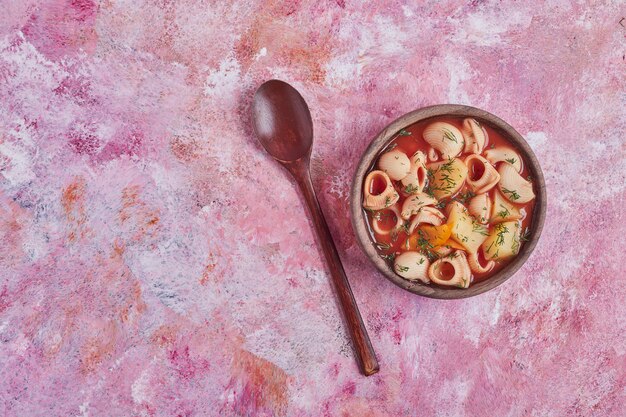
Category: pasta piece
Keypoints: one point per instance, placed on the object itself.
(412, 205)
(502, 210)
(480, 207)
(395, 163)
(432, 155)
(373, 200)
(475, 266)
(475, 136)
(376, 218)
(504, 154)
(446, 177)
(465, 229)
(412, 266)
(445, 138)
(415, 181)
(513, 186)
(428, 215)
(482, 176)
(503, 241)
(453, 270)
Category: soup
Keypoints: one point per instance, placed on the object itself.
(449, 202)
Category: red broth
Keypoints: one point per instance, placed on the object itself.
(409, 141)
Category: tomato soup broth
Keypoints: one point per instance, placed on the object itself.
(423, 239)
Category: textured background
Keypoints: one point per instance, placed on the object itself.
(154, 261)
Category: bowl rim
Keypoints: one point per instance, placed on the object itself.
(382, 139)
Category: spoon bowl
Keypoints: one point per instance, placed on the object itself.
(282, 121)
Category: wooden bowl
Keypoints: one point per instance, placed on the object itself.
(359, 220)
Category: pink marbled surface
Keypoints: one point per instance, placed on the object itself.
(154, 261)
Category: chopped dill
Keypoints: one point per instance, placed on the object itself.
(525, 235)
(425, 246)
(449, 135)
(464, 197)
(511, 161)
(504, 212)
(516, 244)
(382, 246)
(410, 189)
(512, 193)
(479, 228)
(501, 230)
(401, 268)
(440, 205)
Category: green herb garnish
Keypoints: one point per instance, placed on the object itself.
(449, 135)
(501, 230)
(525, 235)
(512, 193)
(410, 189)
(382, 246)
(504, 212)
(479, 228)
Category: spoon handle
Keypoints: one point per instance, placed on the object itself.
(366, 357)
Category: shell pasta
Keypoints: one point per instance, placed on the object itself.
(449, 202)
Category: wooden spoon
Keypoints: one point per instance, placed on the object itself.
(283, 125)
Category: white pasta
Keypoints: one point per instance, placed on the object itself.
(380, 201)
(475, 266)
(413, 204)
(428, 215)
(475, 136)
(462, 273)
(513, 186)
(480, 207)
(489, 177)
(415, 181)
(432, 155)
(447, 177)
(412, 266)
(395, 163)
(502, 210)
(445, 138)
(375, 222)
(504, 154)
